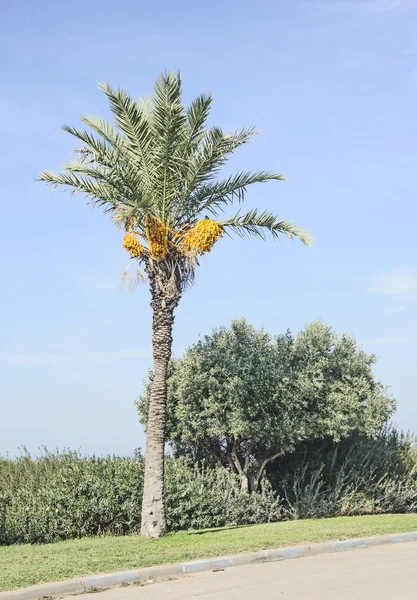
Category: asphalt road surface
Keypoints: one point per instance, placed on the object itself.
(386, 572)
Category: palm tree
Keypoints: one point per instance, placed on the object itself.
(155, 171)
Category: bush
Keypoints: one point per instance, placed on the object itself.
(61, 496)
(357, 476)
(201, 497)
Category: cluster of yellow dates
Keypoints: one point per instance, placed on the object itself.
(198, 239)
(202, 237)
(133, 246)
(157, 238)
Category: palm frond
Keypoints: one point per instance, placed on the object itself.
(114, 151)
(197, 114)
(120, 155)
(135, 126)
(256, 223)
(213, 152)
(106, 170)
(213, 197)
(168, 114)
(169, 121)
(126, 189)
(96, 147)
(104, 129)
(100, 193)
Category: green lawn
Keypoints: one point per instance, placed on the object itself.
(22, 566)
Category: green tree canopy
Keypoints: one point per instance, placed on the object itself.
(241, 397)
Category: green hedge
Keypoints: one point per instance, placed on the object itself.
(64, 495)
(61, 496)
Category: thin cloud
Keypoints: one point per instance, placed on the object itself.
(399, 339)
(397, 282)
(402, 307)
(371, 6)
(56, 359)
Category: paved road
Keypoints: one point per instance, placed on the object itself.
(381, 573)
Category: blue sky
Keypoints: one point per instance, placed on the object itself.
(333, 85)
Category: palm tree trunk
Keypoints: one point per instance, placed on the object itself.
(153, 503)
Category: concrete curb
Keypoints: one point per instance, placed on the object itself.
(74, 586)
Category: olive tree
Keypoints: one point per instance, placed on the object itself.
(242, 398)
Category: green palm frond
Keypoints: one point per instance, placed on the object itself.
(158, 158)
(95, 147)
(168, 119)
(116, 154)
(105, 129)
(197, 114)
(112, 153)
(99, 192)
(127, 189)
(213, 197)
(256, 223)
(136, 127)
(168, 113)
(214, 151)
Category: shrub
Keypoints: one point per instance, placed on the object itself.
(199, 497)
(65, 495)
(359, 475)
(61, 496)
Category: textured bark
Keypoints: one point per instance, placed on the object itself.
(165, 297)
(256, 477)
(249, 481)
(245, 480)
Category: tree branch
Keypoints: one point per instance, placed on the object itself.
(231, 463)
(236, 460)
(262, 467)
(247, 458)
